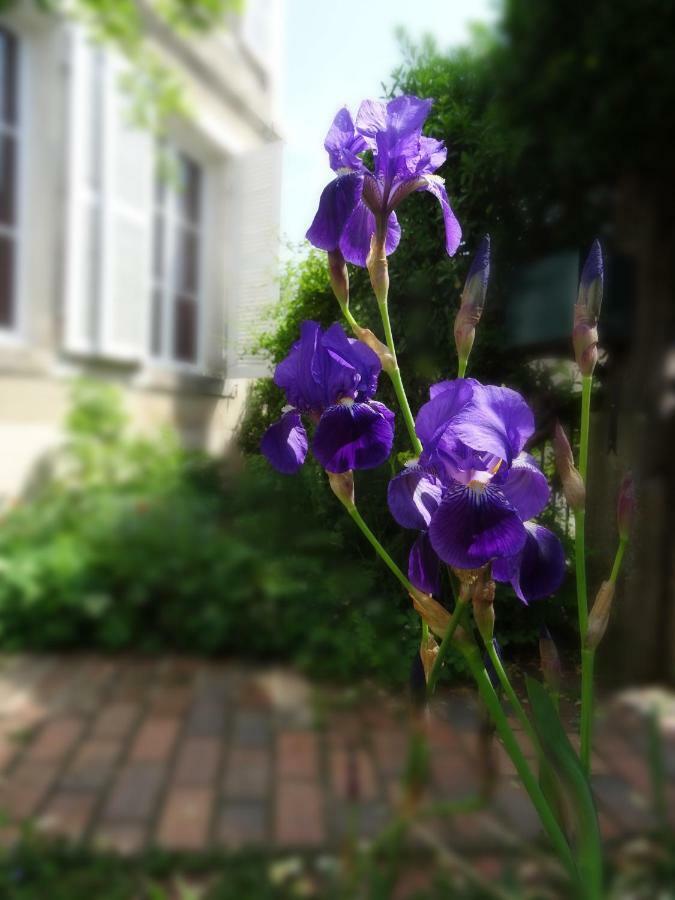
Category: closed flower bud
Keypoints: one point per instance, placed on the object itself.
(436, 616)
(339, 277)
(550, 661)
(473, 300)
(625, 507)
(428, 654)
(572, 482)
(599, 615)
(587, 311)
(378, 269)
(342, 485)
(366, 336)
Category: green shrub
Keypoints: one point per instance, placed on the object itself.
(134, 543)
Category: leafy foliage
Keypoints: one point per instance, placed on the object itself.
(156, 93)
(132, 542)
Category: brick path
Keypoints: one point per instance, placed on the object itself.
(187, 754)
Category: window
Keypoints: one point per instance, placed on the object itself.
(9, 156)
(177, 252)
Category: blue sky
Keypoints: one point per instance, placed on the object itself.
(338, 53)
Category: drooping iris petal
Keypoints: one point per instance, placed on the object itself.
(525, 486)
(475, 525)
(424, 567)
(294, 374)
(413, 496)
(538, 569)
(356, 354)
(436, 415)
(354, 436)
(355, 240)
(338, 201)
(497, 421)
(284, 444)
(453, 230)
(343, 144)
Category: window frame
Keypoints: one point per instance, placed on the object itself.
(14, 334)
(172, 221)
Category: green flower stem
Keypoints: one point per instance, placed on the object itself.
(582, 592)
(377, 546)
(351, 321)
(548, 820)
(396, 380)
(587, 671)
(511, 694)
(618, 559)
(458, 612)
(461, 367)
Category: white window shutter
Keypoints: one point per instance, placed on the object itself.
(82, 250)
(256, 260)
(127, 224)
(109, 213)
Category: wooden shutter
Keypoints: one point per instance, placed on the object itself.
(256, 260)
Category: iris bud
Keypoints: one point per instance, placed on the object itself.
(339, 278)
(473, 300)
(572, 482)
(342, 485)
(378, 269)
(599, 615)
(587, 311)
(625, 507)
(366, 336)
(428, 654)
(550, 661)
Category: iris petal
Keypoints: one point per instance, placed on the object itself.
(525, 486)
(284, 444)
(413, 496)
(424, 567)
(497, 421)
(437, 414)
(473, 526)
(453, 230)
(356, 354)
(355, 436)
(355, 241)
(538, 569)
(336, 205)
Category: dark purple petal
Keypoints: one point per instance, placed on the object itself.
(338, 201)
(284, 444)
(434, 417)
(538, 569)
(357, 355)
(475, 525)
(413, 496)
(525, 487)
(343, 144)
(355, 241)
(453, 230)
(354, 436)
(497, 421)
(424, 567)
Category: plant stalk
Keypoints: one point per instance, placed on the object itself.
(397, 381)
(458, 612)
(582, 592)
(511, 694)
(527, 778)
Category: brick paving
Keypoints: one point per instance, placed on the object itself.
(185, 754)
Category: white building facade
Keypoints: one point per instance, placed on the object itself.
(148, 264)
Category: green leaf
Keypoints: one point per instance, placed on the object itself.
(566, 764)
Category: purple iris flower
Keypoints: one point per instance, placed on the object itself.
(474, 490)
(358, 203)
(331, 379)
